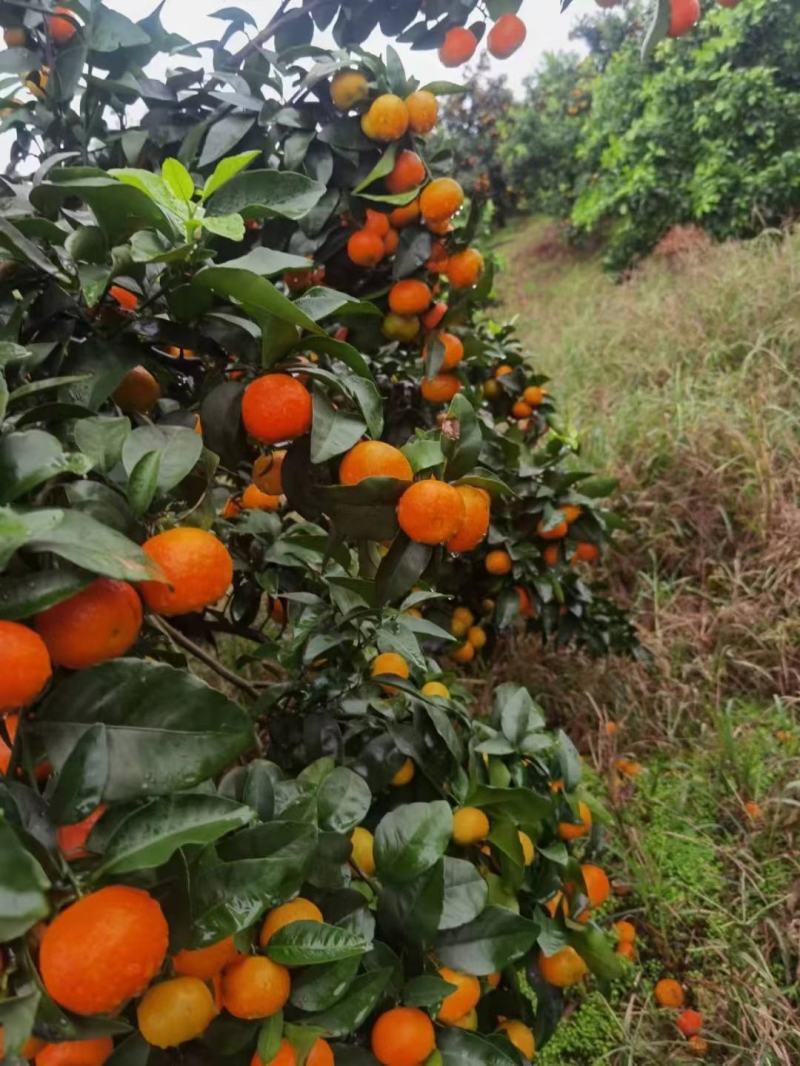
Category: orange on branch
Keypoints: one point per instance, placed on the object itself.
(585, 553)
(465, 268)
(253, 499)
(475, 525)
(431, 511)
(348, 88)
(374, 458)
(520, 1036)
(563, 969)
(498, 562)
(175, 1011)
(534, 395)
(458, 46)
(387, 119)
(470, 826)
(407, 173)
(572, 830)
(92, 1052)
(24, 666)
(462, 999)
(391, 242)
(409, 297)
(400, 327)
(403, 1036)
(506, 36)
(432, 318)
(365, 248)
(441, 388)
(61, 28)
(401, 217)
(98, 623)
(684, 14)
(376, 222)
(71, 839)
(423, 111)
(205, 963)
(138, 392)
(254, 987)
(296, 910)
(198, 568)
(267, 472)
(598, 887)
(389, 662)
(453, 350)
(276, 407)
(440, 199)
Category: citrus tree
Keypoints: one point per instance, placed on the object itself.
(268, 474)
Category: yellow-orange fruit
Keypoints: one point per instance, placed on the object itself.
(464, 268)
(440, 199)
(374, 458)
(423, 111)
(475, 525)
(430, 511)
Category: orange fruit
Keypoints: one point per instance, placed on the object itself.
(126, 299)
(403, 1036)
(404, 774)
(423, 111)
(571, 512)
(502, 370)
(205, 963)
(321, 1054)
(432, 318)
(103, 949)
(525, 605)
(506, 36)
(626, 950)
(696, 1045)
(365, 248)
(564, 969)
(98, 623)
(24, 666)
(475, 525)
(753, 810)
(550, 555)
(61, 29)
(296, 910)
(387, 119)
(669, 993)
(376, 222)
(276, 407)
(461, 620)
(441, 388)
(12, 724)
(453, 350)
(441, 228)
(626, 932)
(175, 1011)
(521, 410)
(684, 14)
(15, 36)
(570, 831)
(284, 1056)
(556, 532)
(465, 268)
(461, 1001)
(374, 458)
(435, 688)
(407, 173)
(76, 1052)
(363, 850)
(389, 662)
(458, 46)
(498, 562)
(253, 499)
(231, 508)
(267, 472)
(174, 352)
(348, 88)
(470, 826)
(137, 392)
(520, 1036)
(585, 552)
(401, 217)
(391, 242)
(254, 987)
(464, 653)
(72, 839)
(438, 260)
(197, 566)
(440, 199)
(534, 395)
(690, 1022)
(598, 887)
(431, 511)
(528, 850)
(409, 297)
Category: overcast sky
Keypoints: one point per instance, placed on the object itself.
(547, 31)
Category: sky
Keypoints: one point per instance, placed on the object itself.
(547, 31)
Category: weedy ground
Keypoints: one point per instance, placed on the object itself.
(683, 381)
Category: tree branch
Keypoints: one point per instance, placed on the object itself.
(184, 642)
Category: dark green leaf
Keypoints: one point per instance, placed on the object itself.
(23, 886)
(333, 432)
(81, 782)
(401, 568)
(427, 990)
(102, 439)
(143, 481)
(179, 450)
(267, 193)
(28, 594)
(321, 987)
(488, 943)
(411, 838)
(343, 800)
(459, 1047)
(464, 893)
(312, 943)
(350, 1013)
(224, 135)
(31, 457)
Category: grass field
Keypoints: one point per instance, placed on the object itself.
(683, 381)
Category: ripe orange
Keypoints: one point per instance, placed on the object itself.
(528, 850)
(404, 774)
(506, 36)
(520, 1036)
(254, 987)
(98, 623)
(459, 1002)
(363, 850)
(598, 887)
(669, 993)
(556, 532)
(103, 949)
(423, 111)
(409, 297)
(464, 653)
(296, 910)
(276, 407)
(521, 410)
(137, 392)
(76, 1052)
(72, 839)
(571, 512)
(403, 1036)
(442, 228)
(465, 268)
(126, 299)
(440, 199)
(503, 370)
(462, 618)
(374, 458)
(376, 222)
(683, 15)
(470, 826)
(585, 552)
(475, 525)
(389, 662)
(626, 932)
(441, 388)
(25, 664)
(391, 242)
(571, 831)
(365, 248)
(563, 969)
(534, 395)
(459, 45)
(387, 119)
(253, 499)
(690, 1022)
(435, 688)
(438, 260)
(12, 724)
(408, 172)
(626, 950)
(175, 1011)
(550, 555)
(267, 472)
(431, 511)
(285, 1056)
(404, 216)
(348, 88)
(432, 318)
(205, 963)
(498, 562)
(453, 350)
(197, 566)
(61, 29)
(525, 605)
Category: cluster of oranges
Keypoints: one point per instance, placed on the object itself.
(669, 993)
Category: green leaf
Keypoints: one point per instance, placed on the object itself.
(488, 943)
(231, 227)
(384, 166)
(143, 482)
(178, 179)
(445, 88)
(119, 209)
(10, 237)
(224, 135)
(266, 262)
(411, 838)
(269, 1037)
(401, 568)
(30, 457)
(321, 987)
(24, 595)
(595, 948)
(154, 186)
(17, 1017)
(350, 1013)
(423, 454)
(167, 730)
(23, 885)
(411, 911)
(151, 834)
(522, 805)
(266, 194)
(227, 169)
(82, 779)
(366, 511)
(343, 800)
(427, 990)
(462, 453)
(311, 943)
(597, 487)
(111, 30)
(465, 893)
(179, 448)
(459, 1047)
(521, 720)
(257, 296)
(332, 432)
